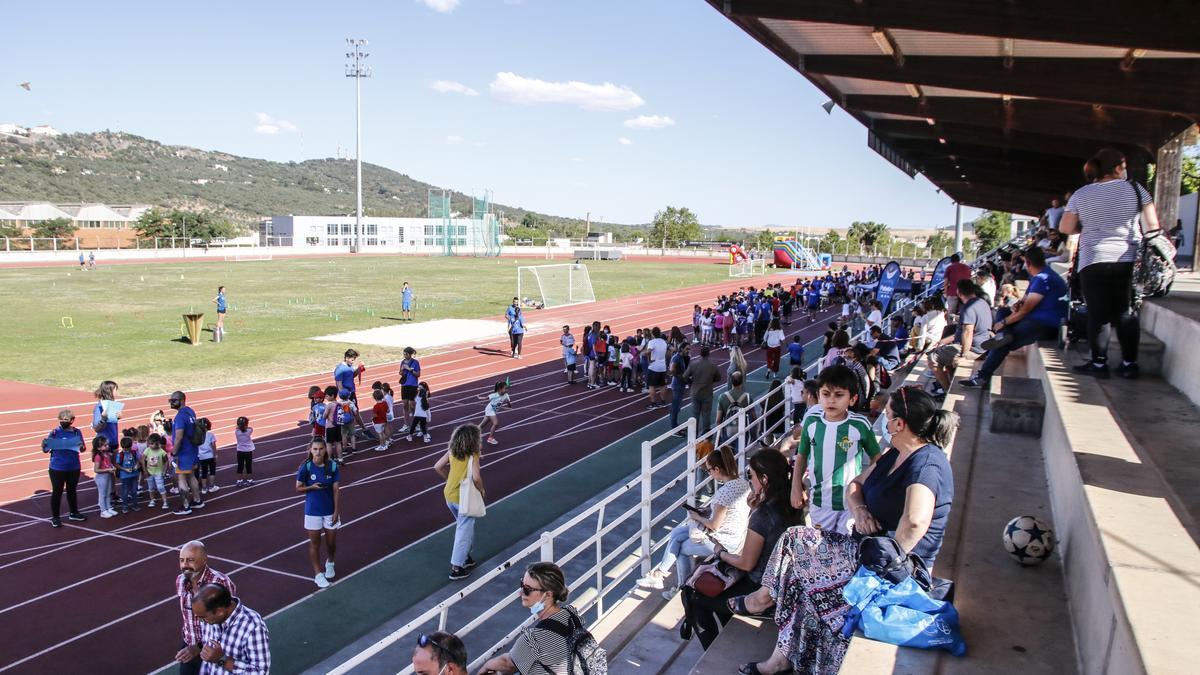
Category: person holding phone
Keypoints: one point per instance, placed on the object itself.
(723, 521)
(317, 479)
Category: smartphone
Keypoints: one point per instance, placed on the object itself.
(689, 507)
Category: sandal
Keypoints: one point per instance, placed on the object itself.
(752, 669)
(737, 605)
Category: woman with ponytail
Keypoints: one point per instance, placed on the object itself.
(908, 491)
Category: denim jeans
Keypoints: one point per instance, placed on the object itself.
(676, 402)
(702, 411)
(1024, 333)
(680, 549)
(104, 491)
(464, 536)
(129, 492)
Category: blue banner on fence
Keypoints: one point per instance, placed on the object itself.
(939, 273)
(887, 284)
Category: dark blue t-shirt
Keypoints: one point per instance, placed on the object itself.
(796, 352)
(814, 297)
(64, 446)
(221, 306)
(185, 419)
(678, 364)
(885, 494)
(318, 502)
(1052, 308)
(411, 378)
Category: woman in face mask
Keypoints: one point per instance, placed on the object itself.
(64, 444)
(544, 647)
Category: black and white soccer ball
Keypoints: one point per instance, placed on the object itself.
(1028, 539)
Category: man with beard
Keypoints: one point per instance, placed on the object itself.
(186, 454)
(194, 573)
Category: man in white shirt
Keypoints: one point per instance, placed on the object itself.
(656, 375)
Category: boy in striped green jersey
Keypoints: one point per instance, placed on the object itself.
(834, 441)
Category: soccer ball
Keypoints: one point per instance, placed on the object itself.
(1028, 539)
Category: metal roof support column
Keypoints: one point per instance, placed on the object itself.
(958, 244)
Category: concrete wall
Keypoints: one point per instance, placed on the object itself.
(1180, 366)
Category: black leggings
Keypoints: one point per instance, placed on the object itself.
(704, 612)
(245, 460)
(514, 342)
(1107, 290)
(60, 480)
(421, 423)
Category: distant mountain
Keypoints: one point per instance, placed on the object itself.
(119, 168)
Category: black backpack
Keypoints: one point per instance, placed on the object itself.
(199, 432)
(585, 655)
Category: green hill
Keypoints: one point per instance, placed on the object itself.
(119, 168)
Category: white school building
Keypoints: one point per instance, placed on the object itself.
(379, 234)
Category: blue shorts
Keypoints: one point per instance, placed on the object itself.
(405, 307)
(185, 461)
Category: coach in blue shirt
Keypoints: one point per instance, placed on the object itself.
(1038, 316)
(186, 453)
(64, 445)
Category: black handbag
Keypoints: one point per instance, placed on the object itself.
(885, 557)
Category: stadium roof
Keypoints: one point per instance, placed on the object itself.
(997, 102)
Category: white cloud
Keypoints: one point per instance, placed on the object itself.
(649, 122)
(624, 141)
(452, 87)
(270, 126)
(440, 5)
(527, 91)
(454, 140)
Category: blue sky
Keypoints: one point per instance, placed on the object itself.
(618, 107)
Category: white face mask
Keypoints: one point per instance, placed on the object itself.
(537, 607)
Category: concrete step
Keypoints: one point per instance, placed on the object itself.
(1151, 353)
(1018, 405)
(742, 640)
(655, 646)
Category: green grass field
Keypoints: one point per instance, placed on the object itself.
(127, 318)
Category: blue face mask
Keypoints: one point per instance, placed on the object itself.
(537, 607)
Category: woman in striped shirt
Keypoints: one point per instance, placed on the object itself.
(1107, 213)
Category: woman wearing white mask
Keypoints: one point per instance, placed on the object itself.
(543, 648)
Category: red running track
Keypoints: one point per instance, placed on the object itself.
(71, 587)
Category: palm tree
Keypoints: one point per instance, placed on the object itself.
(869, 234)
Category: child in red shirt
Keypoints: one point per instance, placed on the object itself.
(379, 413)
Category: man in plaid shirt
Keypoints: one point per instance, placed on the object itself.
(235, 637)
(194, 573)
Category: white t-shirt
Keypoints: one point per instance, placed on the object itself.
(845, 310)
(875, 318)
(494, 402)
(658, 355)
(794, 390)
(935, 325)
(206, 449)
(773, 338)
(989, 287)
(568, 343)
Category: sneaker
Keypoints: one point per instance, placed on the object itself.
(76, 517)
(214, 488)
(321, 581)
(152, 503)
(185, 511)
(425, 438)
(651, 581)
(329, 573)
(1128, 371)
(469, 563)
(107, 514)
(492, 441)
(55, 522)
(249, 482)
(456, 572)
(652, 406)
(974, 383)
(402, 430)
(124, 510)
(164, 505)
(239, 483)
(1001, 340)
(1091, 368)
(136, 508)
(409, 438)
(174, 490)
(198, 505)
(203, 490)
(591, 386)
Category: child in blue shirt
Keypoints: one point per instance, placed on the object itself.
(128, 471)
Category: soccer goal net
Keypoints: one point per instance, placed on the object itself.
(748, 267)
(554, 285)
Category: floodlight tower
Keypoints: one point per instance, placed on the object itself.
(355, 68)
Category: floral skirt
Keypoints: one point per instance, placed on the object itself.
(805, 576)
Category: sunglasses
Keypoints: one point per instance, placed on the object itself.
(424, 640)
(526, 590)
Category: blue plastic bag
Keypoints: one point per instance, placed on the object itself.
(900, 614)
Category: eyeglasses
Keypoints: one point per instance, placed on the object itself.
(526, 590)
(424, 640)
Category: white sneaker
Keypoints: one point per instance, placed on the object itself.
(380, 448)
(402, 430)
(107, 514)
(203, 490)
(151, 504)
(214, 488)
(165, 506)
(321, 581)
(329, 570)
(425, 438)
(410, 438)
(492, 441)
(652, 581)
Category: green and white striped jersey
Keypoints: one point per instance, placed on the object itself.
(833, 451)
